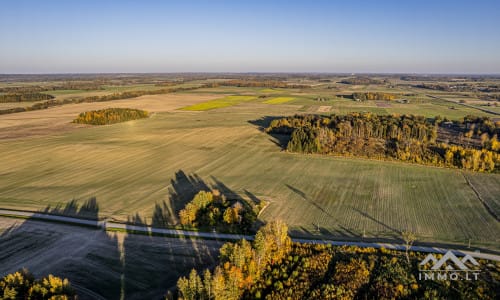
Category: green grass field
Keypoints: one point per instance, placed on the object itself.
(219, 103)
(131, 167)
(279, 100)
(271, 91)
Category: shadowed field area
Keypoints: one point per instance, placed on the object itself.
(101, 265)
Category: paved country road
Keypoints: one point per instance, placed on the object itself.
(109, 225)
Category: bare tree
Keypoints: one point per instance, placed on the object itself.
(409, 237)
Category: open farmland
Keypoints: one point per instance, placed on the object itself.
(58, 119)
(131, 167)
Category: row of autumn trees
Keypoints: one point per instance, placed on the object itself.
(402, 137)
(103, 98)
(260, 83)
(69, 85)
(24, 97)
(110, 116)
(373, 96)
(211, 209)
(23, 285)
(361, 80)
(272, 267)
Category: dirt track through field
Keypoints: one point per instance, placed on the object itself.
(58, 119)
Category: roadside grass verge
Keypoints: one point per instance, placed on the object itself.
(219, 103)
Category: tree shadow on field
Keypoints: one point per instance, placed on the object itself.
(304, 196)
(152, 264)
(88, 210)
(87, 256)
(113, 264)
(394, 231)
(182, 189)
(101, 264)
(280, 140)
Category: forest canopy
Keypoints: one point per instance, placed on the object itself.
(403, 137)
(272, 267)
(23, 285)
(110, 116)
(212, 209)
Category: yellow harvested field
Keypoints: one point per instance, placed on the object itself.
(279, 100)
(219, 103)
(58, 119)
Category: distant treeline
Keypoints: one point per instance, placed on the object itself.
(406, 138)
(211, 209)
(115, 96)
(373, 96)
(110, 116)
(70, 85)
(361, 80)
(24, 97)
(263, 83)
(168, 83)
(475, 78)
(460, 87)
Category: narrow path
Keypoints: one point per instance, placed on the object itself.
(223, 236)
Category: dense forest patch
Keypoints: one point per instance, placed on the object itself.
(110, 116)
(23, 285)
(211, 209)
(272, 267)
(406, 138)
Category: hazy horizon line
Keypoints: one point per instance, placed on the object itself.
(261, 72)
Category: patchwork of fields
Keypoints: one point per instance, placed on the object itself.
(137, 167)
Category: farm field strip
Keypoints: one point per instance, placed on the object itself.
(219, 103)
(279, 100)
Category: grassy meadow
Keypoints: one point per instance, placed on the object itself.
(143, 167)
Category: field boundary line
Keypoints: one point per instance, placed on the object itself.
(138, 229)
(485, 204)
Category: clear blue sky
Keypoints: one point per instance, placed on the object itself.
(245, 36)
